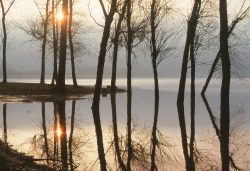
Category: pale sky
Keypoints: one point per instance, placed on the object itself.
(24, 57)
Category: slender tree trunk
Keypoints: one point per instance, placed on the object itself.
(60, 86)
(45, 132)
(42, 81)
(192, 23)
(71, 135)
(216, 60)
(192, 107)
(116, 47)
(225, 87)
(98, 85)
(4, 43)
(154, 55)
(5, 122)
(55, 42)
(72, 56)
(63, 137)
(115, 131)
(102, 55)
(129, 87)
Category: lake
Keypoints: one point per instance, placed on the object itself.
(33, 127)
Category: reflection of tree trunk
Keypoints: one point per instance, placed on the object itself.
(192, 107)
(55, 41)
(55, 132)
(225, 87)
(192, 23)
(71, 135)
(72, 58)
(4, 43)
(63, 48)
(45, 132)
(212, 118)
(44, 43)
(5, 122)
(115, 129)
(129, 92)
(98, 129)
(154, 138)
(116, 46)
(63, 137)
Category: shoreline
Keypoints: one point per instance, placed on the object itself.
(16, 92)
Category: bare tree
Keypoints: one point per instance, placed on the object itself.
(72, 56)
(4, 40)
(240, 16)
(60, 86)
(45, 23)
(98, 85)
(225, 87)
(191, 30)
(116, 46)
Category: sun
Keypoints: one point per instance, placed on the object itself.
(59, 132)
(59, 16)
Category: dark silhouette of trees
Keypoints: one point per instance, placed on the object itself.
(115, 132)
(55, 40)
(192, 24)
(4, 40)
(60, 86)
(71, 135)
(72, 56)
(45, 23)
(241, 15)
(129, 86)
(45, 132)
(98, 85)
(116, 46)
(5, 135)
(225, 87)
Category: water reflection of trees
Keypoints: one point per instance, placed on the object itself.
(53, 146)
(239, 138)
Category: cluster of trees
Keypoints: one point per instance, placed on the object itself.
(129, 23)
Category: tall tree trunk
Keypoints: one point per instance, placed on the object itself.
(115, 131)
(63, 137)
(216, 60)
(102, 55)
(55, 42)
(71, 135)
(45, 132)
(5, 122)
(4, 43)
(42, 81)
(116, 47)
(225, 87)
(192, 23)
(60, 86)
(192, 106)
(154, 55)
(98, 85)
(72, 57)
(129, 87)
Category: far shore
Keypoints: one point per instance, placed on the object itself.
(34, 92)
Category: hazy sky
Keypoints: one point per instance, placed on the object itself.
(24, 57)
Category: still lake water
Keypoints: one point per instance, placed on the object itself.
(27, 125)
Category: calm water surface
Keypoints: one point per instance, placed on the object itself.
(33, 128)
